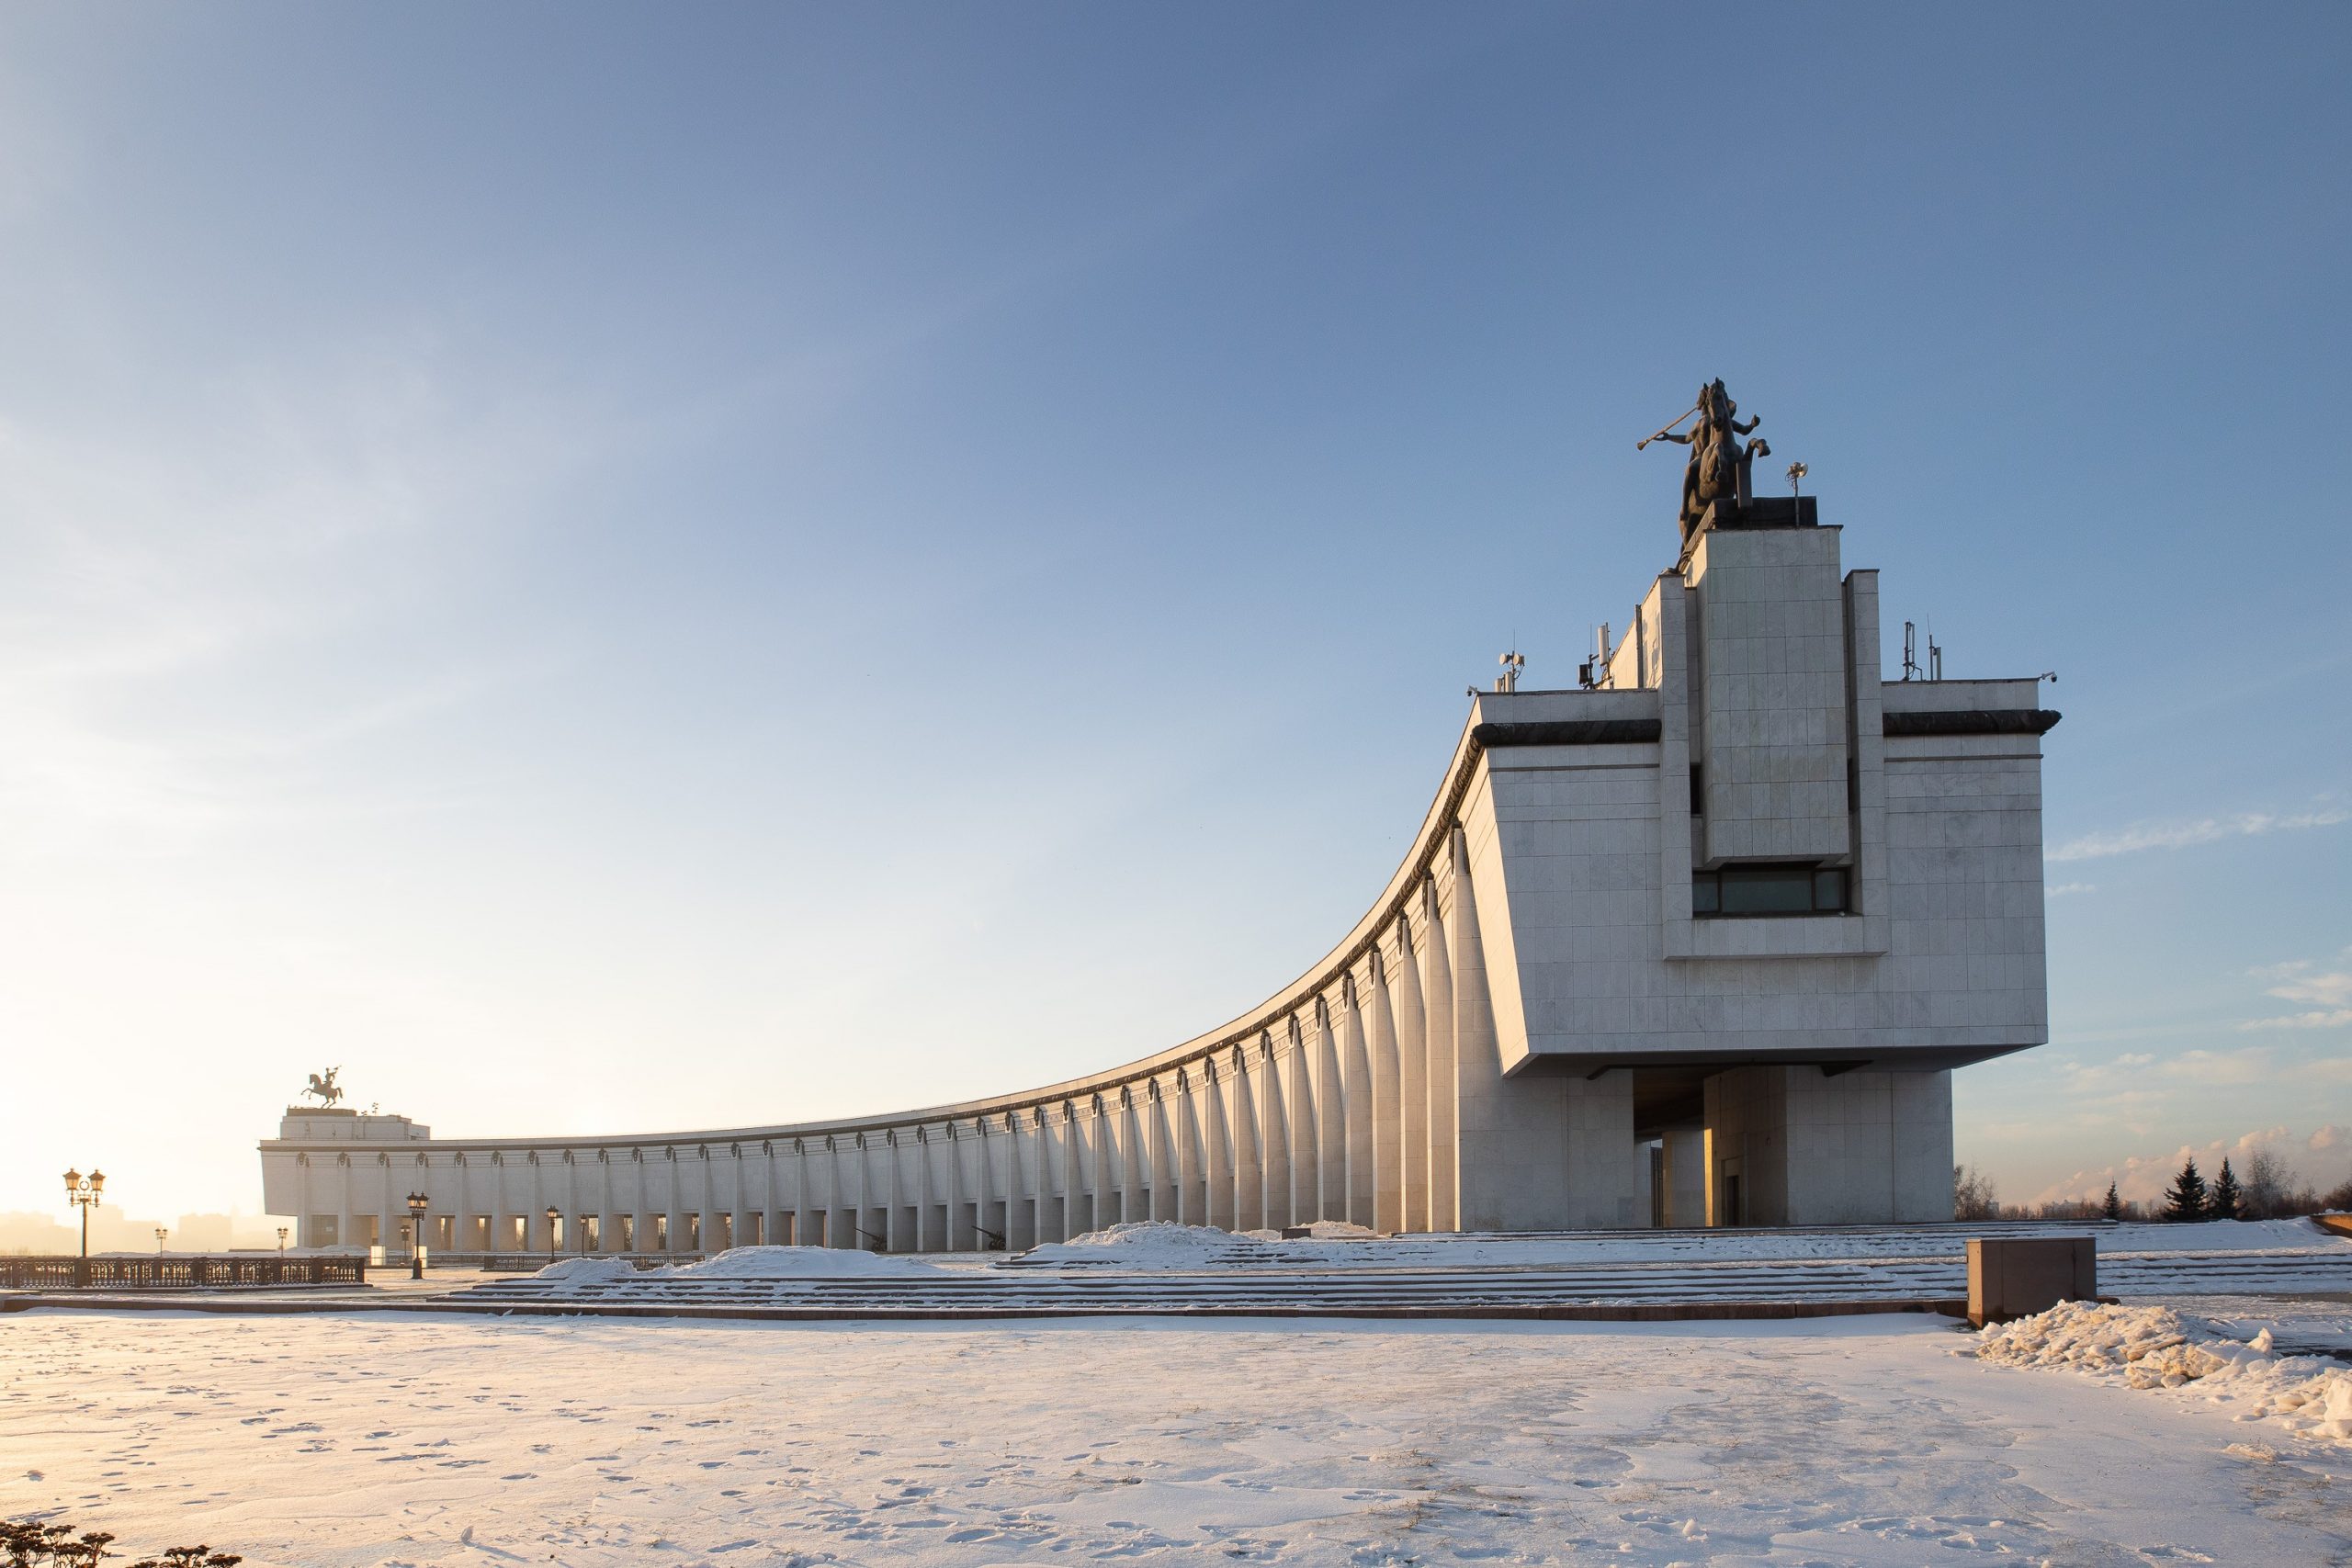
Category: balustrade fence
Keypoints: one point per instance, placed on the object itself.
(176, 1273)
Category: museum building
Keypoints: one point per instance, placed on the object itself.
(1700, 943)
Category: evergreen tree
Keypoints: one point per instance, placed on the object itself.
(2185, 1202)
(2113, 1208)
(2224, 1203)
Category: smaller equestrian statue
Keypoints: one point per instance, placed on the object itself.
(1718, 469)
(324, 1089)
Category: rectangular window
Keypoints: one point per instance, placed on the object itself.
(438, 1237)
(1698, 791)
(661, 1233)
(726, 1225)
(757, 1226)
(629, 1232)
(591, 1233)
(1800, 888)
(693, 1232)
(518, 1238)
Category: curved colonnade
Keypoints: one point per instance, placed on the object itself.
(1332, 1101)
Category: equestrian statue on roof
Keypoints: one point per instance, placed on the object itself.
(1718, 469)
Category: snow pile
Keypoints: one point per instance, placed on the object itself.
(2154, 1346)
(793, 1263)
(1342, 1230)
(1152, 1244)
(588, 1270)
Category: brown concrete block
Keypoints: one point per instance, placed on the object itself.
(2016, 1276)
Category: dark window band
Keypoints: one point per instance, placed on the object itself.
(1569, 732)
(1973, 721)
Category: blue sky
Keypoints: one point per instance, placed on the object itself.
(628, 570)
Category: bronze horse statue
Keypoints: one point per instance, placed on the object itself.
(325, 1089)
(1719, 465)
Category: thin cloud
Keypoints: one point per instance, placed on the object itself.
(2066, 889)
(2249, 1063)
(2184, 833)
(2326, 992)
(2332, 1018)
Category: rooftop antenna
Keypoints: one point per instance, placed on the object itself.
(1512, 663)
(1797, 472)
(1910, 651)
(1594, 672)
(1935, 658)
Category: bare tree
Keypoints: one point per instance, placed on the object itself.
(1972, 1197)
(2262, 1191)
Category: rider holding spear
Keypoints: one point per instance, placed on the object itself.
(1718, 466)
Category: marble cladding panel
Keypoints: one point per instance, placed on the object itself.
(1771, 733)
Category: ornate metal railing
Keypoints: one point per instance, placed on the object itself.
(168, 1273)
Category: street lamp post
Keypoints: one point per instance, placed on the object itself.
(417, 1203)
(281, 1241)
(83, 1192)
(160, 1231)
(554, 1215)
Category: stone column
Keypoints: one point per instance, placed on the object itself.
(634, 1158)
(950, 1149)
(829, 1211)
(983, 1184)
(1217, 1140)
(710, 1239)
(1071, 1168)
(799, 1193)
(1412, 1076)
(1188, 1157)
(1388, 1115)
(1249, 1159)
(1020, 1209)
(1445, 1207)
(1098, 1163)
(1155, 1115)
(1172, 1146)
(1273, 1132)
(675, 1212)
(742, 1196)
(606, 1206)
(1488, 1139)
(1304, 1121)
(1357, 1102)
(1331, 1117)
(862, 1192)
(1130, 1158)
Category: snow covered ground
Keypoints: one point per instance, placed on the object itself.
(1163, 1267)
(1165, 1246)
(366, 1439)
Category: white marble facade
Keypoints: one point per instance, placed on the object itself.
(1540, 1025)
